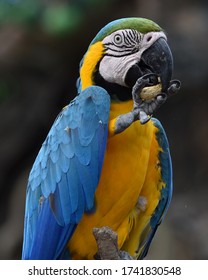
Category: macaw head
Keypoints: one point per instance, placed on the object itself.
(123, 51)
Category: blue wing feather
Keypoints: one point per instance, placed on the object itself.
(166, 192)
(65, 175)
(50, 244)
(166, 173)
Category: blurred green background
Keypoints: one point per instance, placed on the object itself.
(41, 45)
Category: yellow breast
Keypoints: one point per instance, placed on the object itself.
(124, 174)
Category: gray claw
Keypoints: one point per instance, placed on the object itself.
(174, 87)
(143, 117)
(144, 109)
(161, 98)
(147, 109)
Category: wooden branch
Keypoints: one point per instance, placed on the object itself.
(107, 242)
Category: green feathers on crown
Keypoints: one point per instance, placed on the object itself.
(142, 25)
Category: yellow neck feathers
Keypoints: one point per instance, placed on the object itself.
(91, 59)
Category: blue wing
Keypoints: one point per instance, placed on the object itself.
(166, 192)
(65, 174)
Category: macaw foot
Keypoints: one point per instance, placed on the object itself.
(147, 98)
(144, 108)
(107, 243)
(153, 97)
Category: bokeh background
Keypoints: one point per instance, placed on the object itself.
(41, 45)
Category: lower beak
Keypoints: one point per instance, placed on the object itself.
(158, 59)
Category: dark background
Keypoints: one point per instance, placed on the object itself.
(41, 45)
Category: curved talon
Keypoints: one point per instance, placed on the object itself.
(143, 117)
(143, 109)
(161, 98)
(174, 87)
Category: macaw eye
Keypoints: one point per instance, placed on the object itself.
(118, 40)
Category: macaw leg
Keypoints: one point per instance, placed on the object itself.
(143, 110)
(107, 243)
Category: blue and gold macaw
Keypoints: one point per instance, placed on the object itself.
(105, 161)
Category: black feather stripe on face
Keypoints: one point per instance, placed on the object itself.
(129, 43)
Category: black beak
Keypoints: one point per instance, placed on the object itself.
(158, 59)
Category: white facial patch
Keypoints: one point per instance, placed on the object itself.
(114, 69)
(124, 49)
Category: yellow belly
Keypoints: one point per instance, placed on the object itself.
(129, 171)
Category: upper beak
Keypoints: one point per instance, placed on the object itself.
(158, 59)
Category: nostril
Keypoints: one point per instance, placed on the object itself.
(149, 38)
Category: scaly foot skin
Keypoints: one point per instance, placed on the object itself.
(143, 109)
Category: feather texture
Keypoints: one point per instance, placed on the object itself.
(165, 193)
(65, 174)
